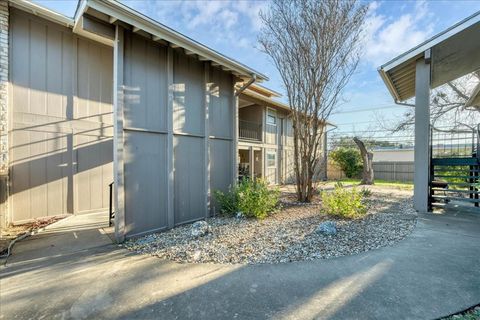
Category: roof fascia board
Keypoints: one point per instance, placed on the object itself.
(81, 8)
(270, 101)
(442, 36)
(42, 12)
(124, 13)
(386, 79)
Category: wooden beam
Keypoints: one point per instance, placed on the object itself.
(136, 29)
(112, 19)
(202, 58)
(174, 46)
(188, 52)
(156, 38)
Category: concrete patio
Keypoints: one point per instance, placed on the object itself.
(79, 274)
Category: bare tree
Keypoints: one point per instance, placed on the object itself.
(367, 159)
(315, 47)
(447, 107)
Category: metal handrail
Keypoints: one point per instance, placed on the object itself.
(111, 213)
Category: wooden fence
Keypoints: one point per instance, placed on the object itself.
(385, 170)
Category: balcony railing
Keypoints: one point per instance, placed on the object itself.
(249, 130)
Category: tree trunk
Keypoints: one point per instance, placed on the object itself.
(367, 158)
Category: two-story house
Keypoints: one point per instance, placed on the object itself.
(265, 137)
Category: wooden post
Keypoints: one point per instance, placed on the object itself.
(118, 138)
(422, 127)
(207, 137)
(251, 160)
(234, 136)
(170, 151)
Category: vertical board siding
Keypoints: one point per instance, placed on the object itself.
(145, 84)
(145, 154)
(220, 121)
(220, 104)
(188, 95)
(48, 109)
(145, 182)
(93, 145)
(189, 179)
(220, 163)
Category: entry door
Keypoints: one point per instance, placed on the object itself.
(271, 166)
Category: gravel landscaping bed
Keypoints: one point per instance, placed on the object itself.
(288, 235)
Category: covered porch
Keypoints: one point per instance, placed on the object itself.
(250, 162)
(447, 56)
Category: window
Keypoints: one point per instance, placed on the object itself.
(271, 118)
(271, 159)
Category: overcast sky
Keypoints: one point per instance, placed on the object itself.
(231, 27)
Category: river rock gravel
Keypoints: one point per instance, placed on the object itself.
(288, 235)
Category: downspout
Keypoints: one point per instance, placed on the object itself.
(404, 104)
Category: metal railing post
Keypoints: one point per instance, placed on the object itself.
(110, 205)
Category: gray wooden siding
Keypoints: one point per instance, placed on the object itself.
(145, 125)
(188, 95)
(220, 109)
(60, 110)
(220, 164)
(146, 80)
(202, 143)
(189, 179)
(145, 181)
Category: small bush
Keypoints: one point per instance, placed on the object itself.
(349, 160)
(365, 192)
(251, 197)
(344, 203)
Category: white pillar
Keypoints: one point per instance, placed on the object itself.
(422, 135)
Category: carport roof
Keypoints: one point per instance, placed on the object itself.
(454, 53)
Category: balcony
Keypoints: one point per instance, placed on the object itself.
(249, 130)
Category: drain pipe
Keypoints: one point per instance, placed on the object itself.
(246, 85)
(404, 104)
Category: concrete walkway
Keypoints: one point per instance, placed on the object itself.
(432, 273)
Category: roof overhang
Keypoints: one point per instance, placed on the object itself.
(42, 12)
(453, 53)
(255, 97)
(113, 12)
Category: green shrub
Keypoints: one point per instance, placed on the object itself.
(251, 197)
(349, 160)
(365, 192)
(344, 203)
